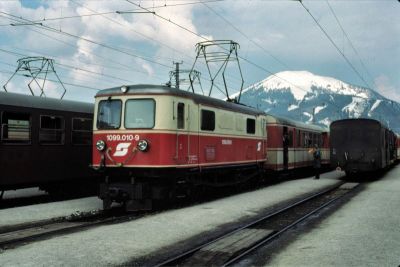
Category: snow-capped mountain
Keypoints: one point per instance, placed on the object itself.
(306, 97)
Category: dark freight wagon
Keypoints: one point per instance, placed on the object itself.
(361, 145)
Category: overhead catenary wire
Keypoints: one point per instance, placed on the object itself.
(67, 66)
(246, 36)
(206, 39)
(107, 66)
(66, 83)
(66, 79)
(133, 29)
(59, 31)
(50, 37)
(247, 60)
(350, 42)
(334, 44)
(128, 67)
(122, 11)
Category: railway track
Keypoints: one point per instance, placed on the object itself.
(17, 235)
(234, 246)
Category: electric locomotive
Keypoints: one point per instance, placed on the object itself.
(361, 145)
(156, 142)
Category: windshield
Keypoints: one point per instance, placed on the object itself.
(139, 113)
(109, 114)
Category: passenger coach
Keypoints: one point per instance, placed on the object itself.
(156, 142)
(45, 142)
(289, 143)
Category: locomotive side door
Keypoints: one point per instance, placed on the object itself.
(187, 134)
(192, 134)
(182, 141)
(285, 141)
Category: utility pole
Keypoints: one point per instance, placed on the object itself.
(313, 115)
(177, 74)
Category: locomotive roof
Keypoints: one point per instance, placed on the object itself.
(289, 122)
(144, 89)
(13, 99)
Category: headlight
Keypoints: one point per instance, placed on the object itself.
(100, 145)
(143, 145)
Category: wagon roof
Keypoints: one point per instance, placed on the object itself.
(13, 99)
(350, 121)
(289, 122)
(144, 89)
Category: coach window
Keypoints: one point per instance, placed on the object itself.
(139, 113)
(307, 139)
(207, 120)
(251, 126)
(181, 116)
(51, 130)
(15, 128)
(298, 139)
(290, 138)
(81, 131)
(109, 114)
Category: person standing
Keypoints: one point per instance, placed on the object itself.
(317, 161)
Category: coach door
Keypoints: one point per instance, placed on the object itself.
(285, 139)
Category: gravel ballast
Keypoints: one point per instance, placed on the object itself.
(120, 243)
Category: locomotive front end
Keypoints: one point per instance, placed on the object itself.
(159, 144)
(128, 146)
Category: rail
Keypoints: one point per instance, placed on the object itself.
(235, 245)
(18, 235)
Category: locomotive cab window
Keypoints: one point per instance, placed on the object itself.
(15, 127)
(251, 126)
(207, 120)
(81, 131)
(109, 114)
(139, 113)
(51, 130)
(181, 116)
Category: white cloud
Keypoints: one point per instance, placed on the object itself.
(148, 68)
(282, 27)
(385, 88)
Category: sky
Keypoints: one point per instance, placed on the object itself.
(97, 44)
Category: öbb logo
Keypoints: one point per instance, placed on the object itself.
(121, 149)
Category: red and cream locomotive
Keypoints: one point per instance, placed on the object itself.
(156, 142)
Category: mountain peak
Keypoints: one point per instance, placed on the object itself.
(307, 97)
(300, 83)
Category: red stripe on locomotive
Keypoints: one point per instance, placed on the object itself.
(167, 149)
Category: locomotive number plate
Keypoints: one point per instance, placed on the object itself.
(122, 137)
